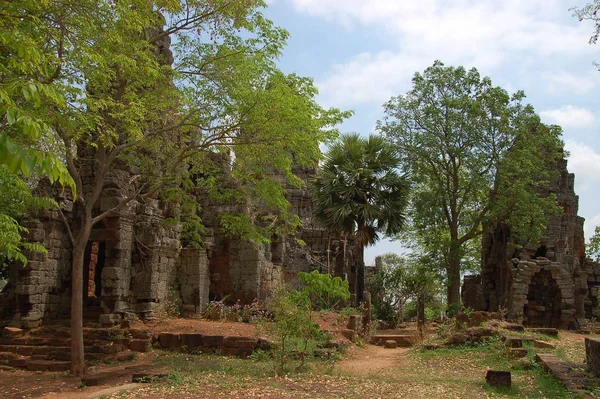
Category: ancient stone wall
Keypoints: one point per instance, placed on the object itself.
(550, 283)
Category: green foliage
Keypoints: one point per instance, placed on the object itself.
(324, 291)
(27, 90)
(120, 99)
(292, 328)
(593, 247)
(16, 199)
(398, 284)
(359, 191)
(476, 157)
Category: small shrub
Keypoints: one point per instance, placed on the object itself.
(324, 291)
(292, 328)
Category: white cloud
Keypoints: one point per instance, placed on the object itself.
(584, 161)
(566, 83)
(370, 78)
(569, 116)
(482, 33)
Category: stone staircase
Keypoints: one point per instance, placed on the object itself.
(402, 340)
(48, 348)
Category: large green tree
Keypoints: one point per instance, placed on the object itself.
(360, 193)
(476, 156)
(125, 102)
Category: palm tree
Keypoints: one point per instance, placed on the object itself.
(360, 193)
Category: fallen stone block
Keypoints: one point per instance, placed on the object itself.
(592, 354)
(500, 379)
(139, 345)
(390, 344)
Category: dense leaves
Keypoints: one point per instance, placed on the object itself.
(399, 281)
(16, 199)
(176, 99)
(476, 156)
(324, 291)
(359, 192)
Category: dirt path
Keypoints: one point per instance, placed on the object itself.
(371, 359)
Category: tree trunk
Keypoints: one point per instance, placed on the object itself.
(360, 274)
(453, 293)
(366, 320)
(420, 314)
(77, 354)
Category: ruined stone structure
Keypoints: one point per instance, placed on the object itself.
(551, 284)
(136, 265)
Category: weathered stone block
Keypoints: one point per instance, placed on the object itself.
(12, 332)
(139, 345)
(212, 340)
(169, 340)
(191, 340)
(240, 342)
(592, 354)
(498, 378)
(390, 344)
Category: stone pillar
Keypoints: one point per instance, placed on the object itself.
(193, 278)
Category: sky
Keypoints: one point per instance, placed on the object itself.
(362, 52)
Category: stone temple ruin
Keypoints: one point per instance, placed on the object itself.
(137, 265)
(552, 284)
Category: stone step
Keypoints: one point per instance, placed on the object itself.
(47, 365)
(569, 374)
(29, 350)
(93, 333)
(9, 356)
(403, 341)
(66, 356)
(50, 341)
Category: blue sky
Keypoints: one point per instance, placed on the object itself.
(362, 52)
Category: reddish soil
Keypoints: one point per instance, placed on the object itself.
(199, 326)
(371, 360)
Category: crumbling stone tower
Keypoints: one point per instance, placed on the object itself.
(551, 284)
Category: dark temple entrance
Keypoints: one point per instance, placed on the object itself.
(93, 263)
(543, 302)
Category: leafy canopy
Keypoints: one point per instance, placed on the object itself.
(359, 190)
(475, 156)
